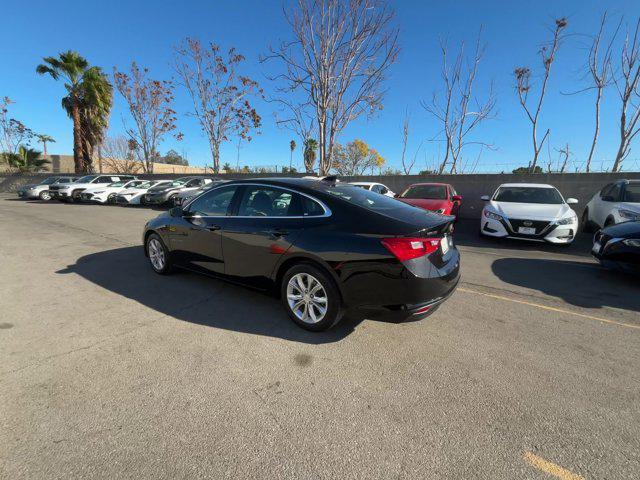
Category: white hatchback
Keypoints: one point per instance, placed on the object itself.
(616, 203)
(529, 211)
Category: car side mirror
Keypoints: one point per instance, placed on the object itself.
(179, 212)
(457, 198)
(484, 198)
(572, 201)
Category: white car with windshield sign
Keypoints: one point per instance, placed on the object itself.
(529, 211)
(375, 187)
(135, 195)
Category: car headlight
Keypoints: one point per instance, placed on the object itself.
(631, 242)
(492, 215)
(568, 220)
(629, 215)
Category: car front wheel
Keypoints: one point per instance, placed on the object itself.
(45, 195)
(311, 298)
(158, 254)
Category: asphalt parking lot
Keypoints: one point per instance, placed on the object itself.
(531, 370)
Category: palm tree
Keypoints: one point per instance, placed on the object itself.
(88, 102)
(292, 146)
(44, 139)
(310, 148)
(25, 160)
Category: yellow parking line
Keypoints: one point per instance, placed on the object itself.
(550, 468)
(552, 309)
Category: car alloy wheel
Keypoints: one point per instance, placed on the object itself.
(158, 254)
(111, 198)
(311, 297)
(45, 195)
(307, 298)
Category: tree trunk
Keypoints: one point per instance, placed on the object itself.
(215, 153)
(535, 147)
(322, 140)
(595, 133)
(77, 138)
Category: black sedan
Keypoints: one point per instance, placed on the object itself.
(618, 247)
(324, 246)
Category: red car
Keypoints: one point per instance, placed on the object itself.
(435, 197)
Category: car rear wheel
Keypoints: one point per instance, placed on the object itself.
(111, 198)
(158, 254)
(45, 195)
(311, 298)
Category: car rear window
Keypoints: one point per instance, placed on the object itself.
(369, 200)
(427, 192)
(549, 196)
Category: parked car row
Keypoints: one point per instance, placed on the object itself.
(331, 247)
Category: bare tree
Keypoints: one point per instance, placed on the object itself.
(565, 153)
(523, 87)
(628, 86)
(118, 156)
(337, 58)
(149, 103)
(408, 163)
(458, 111)
(220, 94)
(13, 133)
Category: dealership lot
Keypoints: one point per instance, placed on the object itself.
(111, 371)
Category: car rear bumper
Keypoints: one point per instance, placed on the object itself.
(407, 312)
(552, 233)
(390, 288)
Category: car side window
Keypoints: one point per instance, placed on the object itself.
(614, 193)
(377, 188)
(311, 208)
(214, 203)
(261, 201)
(605, 190)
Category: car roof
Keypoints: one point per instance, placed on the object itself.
(429, 183)
(528, 185)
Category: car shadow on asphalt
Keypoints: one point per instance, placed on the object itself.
(467, 234)
(197, 298)
(577, 283)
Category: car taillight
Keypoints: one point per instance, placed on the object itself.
(405, 248)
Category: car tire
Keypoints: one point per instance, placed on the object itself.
(111, 199)
(171, 201)
(75, 196)
(158, 254)
(44, 195)
(587, 225)
(320, 289)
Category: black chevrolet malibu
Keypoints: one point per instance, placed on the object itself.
(323, 246)
(618, 247)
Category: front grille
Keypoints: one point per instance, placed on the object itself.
(539, 225)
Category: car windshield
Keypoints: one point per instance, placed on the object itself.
(48, 181)
(632, 193)
(427, 192)
(175, 183)
(86, 179)
(369, 200)
(549, 196)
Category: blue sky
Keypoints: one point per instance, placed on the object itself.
(117, 32)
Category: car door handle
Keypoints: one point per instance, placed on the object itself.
(278, 232)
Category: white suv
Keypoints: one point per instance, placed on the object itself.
(72, 191)
(616, 203)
